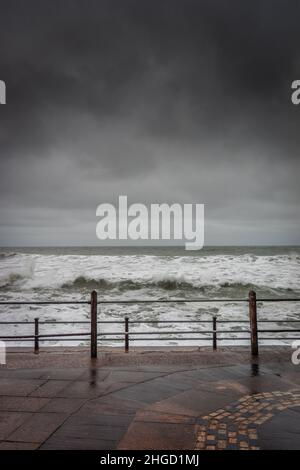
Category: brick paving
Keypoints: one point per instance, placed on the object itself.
(236, 426)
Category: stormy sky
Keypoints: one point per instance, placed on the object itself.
(164, 101)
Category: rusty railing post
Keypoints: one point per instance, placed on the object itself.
(36, 336)
(126, 334)
(93, 324)
(253, 323)
(214, 333)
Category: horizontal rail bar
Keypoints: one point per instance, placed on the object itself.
(57, 335)
(205, 338)
(154, 332)
(49, 339)
(17, 322)
(71, 337)
(175, 332)
(46, 302)
(17, 337)
(121, 322)
(166, 321)
(142, 301)
(278, 331)
(278, 321)
(283, 299)
(112, 301)
(282, 338)
(121, 339)
(46, 322)
(133, 336)
(154, 339)
(184, 321)
(196, 300)
(49, 322)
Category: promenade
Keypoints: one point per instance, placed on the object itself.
(185, 398)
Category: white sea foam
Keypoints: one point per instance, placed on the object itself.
(26, 276)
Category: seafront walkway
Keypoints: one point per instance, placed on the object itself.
(183, 398)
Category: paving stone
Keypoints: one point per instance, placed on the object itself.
(156, 436)
(291, 376)
(100, 420)
(148, 392)
(159, 417)
(18, 445)
(111, 405)
(21, 373)
(212, 374)
(132, 376)
(10, 421)
(78, 444)
(38, 427)
(281, 431)
(62, 374)
(89, 430)
(22, 403)
(192, 403)
(265, 383)
(95, 432)
(93, 375)
(82, 389)
(51, 388)
(224, 387)
(18, 387)
(63, 405)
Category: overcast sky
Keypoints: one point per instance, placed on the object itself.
(165, 101)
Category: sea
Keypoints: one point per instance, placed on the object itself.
(130, 273)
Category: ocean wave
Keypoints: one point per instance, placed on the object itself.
(177, 284)
(11, 278)
(230, 275)
(167, 282)
(7, 254)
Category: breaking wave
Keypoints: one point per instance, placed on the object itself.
(172, 283)
(4, 255)
(230, 275)
(10, 280)
(15, 277)
(162, 282)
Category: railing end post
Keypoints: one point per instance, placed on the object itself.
(214, 333)
(93, 324)
(253, 322)
(126, 334)
(36, 336)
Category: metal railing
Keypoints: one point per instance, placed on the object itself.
(215, 334)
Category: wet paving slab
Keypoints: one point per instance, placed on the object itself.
(228, 401)
(282, 431)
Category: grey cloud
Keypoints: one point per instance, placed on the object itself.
(172, 100)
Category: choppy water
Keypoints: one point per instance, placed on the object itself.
(130, 273)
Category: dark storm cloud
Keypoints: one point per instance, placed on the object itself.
(162, 100)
